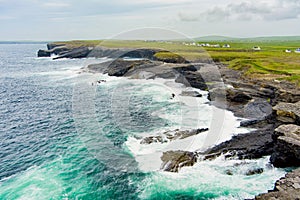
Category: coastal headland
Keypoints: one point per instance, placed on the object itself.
(259, 86)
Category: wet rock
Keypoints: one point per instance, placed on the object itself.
(43, 53)
(152, 139)
(229, 172)
(251, 172)
(245, 146)
(287, 188)
(172, 135)
(287, 146)
(288, 112)
(174, 160)
(191, 93)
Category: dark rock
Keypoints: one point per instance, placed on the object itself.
(237, 96)
(80, 52)
(287, 188)
(56, 50)
(229, 172)
(257, 112)
(287, 146)
(288, 112)
(254, 171)
(215, 94)
(60, 50)
(289, 95)
(43, 53)
(191, 93)
(258, 109)
(185, 68)
(120, 67)
(174, 160)
(174, 58)
(245, 146)
(192, 79)
(152, 139)
(141, 53)
(51, 46)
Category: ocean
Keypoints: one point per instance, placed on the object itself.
(64, 136)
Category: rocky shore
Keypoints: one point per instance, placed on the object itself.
(270, 107)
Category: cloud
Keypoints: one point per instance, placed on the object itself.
(56, 4)
(187, 17)
(248, 10)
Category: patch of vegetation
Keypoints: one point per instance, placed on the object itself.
(169, 57)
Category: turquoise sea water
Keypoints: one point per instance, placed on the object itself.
(63, 138)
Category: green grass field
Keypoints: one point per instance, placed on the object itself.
(271, 62)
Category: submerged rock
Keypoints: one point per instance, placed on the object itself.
(287, 146)
(174, 160)
(251, 172)
(287, 188)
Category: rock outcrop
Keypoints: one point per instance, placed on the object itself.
(288, 112)
(174, 160)
(245, 146)
(287, 188)
(191, 93)
(171, 135)
(287, 146)
(80, 52)
(55, 50)
(192, 79)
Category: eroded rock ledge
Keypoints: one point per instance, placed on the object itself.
(174, 160)
(287, 146)
(171, 135)
(286, 188)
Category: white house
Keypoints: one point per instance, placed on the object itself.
(226, 46)
(256, 48)
(297, 50)
(215, 45)
(288, 51)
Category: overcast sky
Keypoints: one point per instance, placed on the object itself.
(101, 19)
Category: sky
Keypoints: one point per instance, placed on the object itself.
(109, 19)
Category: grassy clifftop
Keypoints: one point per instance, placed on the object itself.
(271, 62)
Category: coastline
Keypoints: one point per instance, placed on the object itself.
(241, 96)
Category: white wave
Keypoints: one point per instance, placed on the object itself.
(211, 179)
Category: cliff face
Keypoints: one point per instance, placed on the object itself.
(66, 51)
